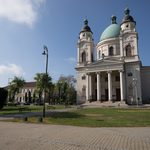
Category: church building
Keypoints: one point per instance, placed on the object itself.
(117, 74)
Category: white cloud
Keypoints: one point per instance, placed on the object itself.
(71, 60)
(20, 11)
(11, 69)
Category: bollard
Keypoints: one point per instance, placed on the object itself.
(25, 119)
(39, 119)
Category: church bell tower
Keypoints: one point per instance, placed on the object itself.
(85, 46)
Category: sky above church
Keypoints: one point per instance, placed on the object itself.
(27, 25)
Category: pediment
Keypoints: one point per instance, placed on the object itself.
(105, 62)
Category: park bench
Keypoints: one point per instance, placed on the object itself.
(67, 106)
(24, 109)
(80, 107)
(50, 107)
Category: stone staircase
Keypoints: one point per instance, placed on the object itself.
(106, 104)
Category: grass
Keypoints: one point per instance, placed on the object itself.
(7, 110)
(98, 117)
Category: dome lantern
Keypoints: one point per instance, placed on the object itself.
(86, 28)
(113, 19)
(127, 17)
(127, 11)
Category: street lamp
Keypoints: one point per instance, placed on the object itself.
(60, 85)
(45, 53)
(135, 83)
(9, 83)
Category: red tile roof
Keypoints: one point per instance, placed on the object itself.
(29, 84)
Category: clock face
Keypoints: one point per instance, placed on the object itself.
(127, 39)
(84, 46)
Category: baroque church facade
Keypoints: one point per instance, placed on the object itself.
(117, 74)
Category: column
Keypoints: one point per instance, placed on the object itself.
(121, 85)
(121, 47)
(109, 86)
(87, 87)
(98, 87)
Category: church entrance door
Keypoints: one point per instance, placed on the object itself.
(118, 95)
(96, 94)
(106, 94)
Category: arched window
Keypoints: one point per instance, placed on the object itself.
(83, 57)
(110, 51)
(128, 50)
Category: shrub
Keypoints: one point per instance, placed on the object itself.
(11, 104)
(33, 100)
(3, 97)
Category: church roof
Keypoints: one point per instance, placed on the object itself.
(127, 17)
(111, 31)
(86, 28)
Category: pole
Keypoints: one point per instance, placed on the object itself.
(45, 48)
(135, 82)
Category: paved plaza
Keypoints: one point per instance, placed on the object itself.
(29, 136)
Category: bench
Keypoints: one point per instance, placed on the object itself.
(80, 107)
(67, 106)
(24, 109)
(50, 107)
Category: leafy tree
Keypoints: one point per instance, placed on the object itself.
(33, 98)
(68, 92)
(3, 97)
(16, 84)
(41, 84)
(50, 90)
(29, 96)
(26, 97)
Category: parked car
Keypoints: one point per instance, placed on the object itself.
(26, 103)
(17, 102)
(36, 103)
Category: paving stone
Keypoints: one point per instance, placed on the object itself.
(26, 136)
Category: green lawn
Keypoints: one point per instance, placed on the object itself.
(98, 117)
(14, 109)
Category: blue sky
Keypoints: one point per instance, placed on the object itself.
(27, 25)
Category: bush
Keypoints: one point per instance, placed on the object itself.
(41, 103)
(33, 100)
(11, 104)
(3, 97)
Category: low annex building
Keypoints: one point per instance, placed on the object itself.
(28, 86)
(117, 74)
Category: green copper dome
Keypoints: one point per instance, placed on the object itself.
(111, 31)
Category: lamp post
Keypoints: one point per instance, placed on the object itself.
(45, 53)
(135, 83)
(8, 88)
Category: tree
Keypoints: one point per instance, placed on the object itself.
(26, 97)
(50, 90)
(29, 96)
(3, 97)
(40, 79)
(16, 84)
(68, 88)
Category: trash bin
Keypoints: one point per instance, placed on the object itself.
(25, 119)
(39, 119)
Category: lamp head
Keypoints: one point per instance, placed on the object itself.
(44, 53)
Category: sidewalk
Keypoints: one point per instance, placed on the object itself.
(27, 136)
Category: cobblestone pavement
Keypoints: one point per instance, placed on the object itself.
(27, 136)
